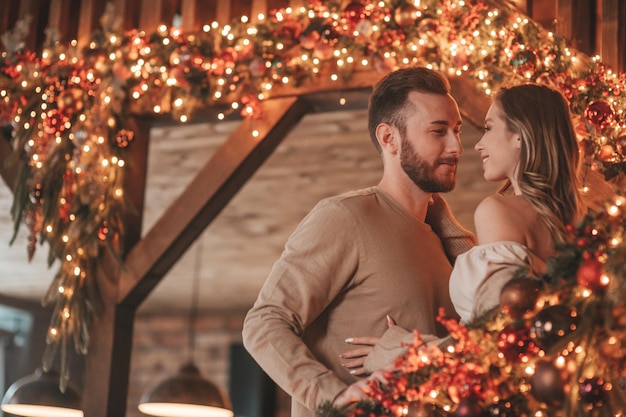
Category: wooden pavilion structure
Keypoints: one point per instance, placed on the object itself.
(595, 26)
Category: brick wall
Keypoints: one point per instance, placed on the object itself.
(160, 348)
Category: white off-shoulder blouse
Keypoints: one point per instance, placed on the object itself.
(480, 273)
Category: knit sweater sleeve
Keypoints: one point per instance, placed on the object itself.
(318, 262)
(455, 238)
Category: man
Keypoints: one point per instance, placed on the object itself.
(367, 254)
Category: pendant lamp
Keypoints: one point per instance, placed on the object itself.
(38, 395)
(187, 394)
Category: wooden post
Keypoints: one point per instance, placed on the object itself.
(107, 363)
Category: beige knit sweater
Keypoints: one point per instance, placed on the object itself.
(354, 259)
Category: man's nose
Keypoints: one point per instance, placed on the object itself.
(455, 145)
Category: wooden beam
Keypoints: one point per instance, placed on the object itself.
(523, 6)
(136, 170)
(323, 84)
(204, 198)
(472, 103)
(544, 12)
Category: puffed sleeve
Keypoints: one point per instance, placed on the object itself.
(479, 275)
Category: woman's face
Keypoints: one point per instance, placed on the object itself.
(499, 148)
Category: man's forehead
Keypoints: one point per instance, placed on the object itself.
(436, 108)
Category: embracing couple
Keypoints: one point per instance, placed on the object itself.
(395, 251)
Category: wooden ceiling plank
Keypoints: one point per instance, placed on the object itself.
(207, 194)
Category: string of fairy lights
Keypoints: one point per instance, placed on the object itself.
(67, 107)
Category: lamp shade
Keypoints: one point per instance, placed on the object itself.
(38, 395)
(186, 394)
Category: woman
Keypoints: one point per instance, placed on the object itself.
(530, 144)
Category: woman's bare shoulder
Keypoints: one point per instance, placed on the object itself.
(497, 218)
(496, 205)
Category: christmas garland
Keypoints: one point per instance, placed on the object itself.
(556, 346)
(67, 107)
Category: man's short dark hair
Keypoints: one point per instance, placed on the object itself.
(387, 104)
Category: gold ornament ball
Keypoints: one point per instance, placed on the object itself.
(406, 15)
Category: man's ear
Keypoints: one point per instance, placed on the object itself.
(387, 139)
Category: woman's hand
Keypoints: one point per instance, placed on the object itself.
(354, 359)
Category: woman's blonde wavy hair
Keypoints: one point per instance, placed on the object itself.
(549, 166)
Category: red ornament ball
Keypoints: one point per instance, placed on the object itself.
(519, 295)
(600, 114)
(589, 274)
(514, 342)
(354, 13)
(55, 122)
(547, 384)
